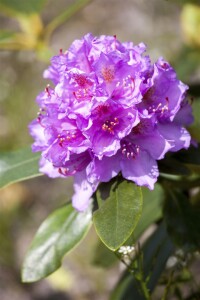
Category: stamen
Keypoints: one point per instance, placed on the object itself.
(69, 138)
(47, 90)
(108, 73)
(109, 125)
(66, 171)
(129, 150)
(132, 83)
(82, 94)
(81, 80)
(129, 82)
(165, 65)
(115, 37)
(160, 108)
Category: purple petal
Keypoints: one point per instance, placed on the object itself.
(184, 115)
(48, 169)
(178, 137)
(103, 170)
(37, 132)
(147, 137)
(141, 169)
(83, 191)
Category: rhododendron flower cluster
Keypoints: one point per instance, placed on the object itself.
(108, 110)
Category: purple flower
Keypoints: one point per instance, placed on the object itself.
(109, 110)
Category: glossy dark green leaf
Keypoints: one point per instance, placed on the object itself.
(57, 235)
(182, 218)
(151, 212)
(118, 216)
(190, 156)
(103, 257)
(17, 166)
(195, 90)
(173, 167)
(22, 6)
(156, 251)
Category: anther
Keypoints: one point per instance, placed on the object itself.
(47, 90)
(132, 83)
(63, 172)
(115, 37)
(108, 73)
(109, 125)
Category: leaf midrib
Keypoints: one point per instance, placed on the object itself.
(18, 164)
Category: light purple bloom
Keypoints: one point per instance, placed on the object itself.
(109, 110)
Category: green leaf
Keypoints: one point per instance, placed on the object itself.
(156, 251)
(17, 166)
(195, 89)
(151, 212)
(57, 235)
(103, 257)
(171, 166)
(66, 14)
(182, 218)
(118, 216)
(190, 156)
(15, 41)
(187, 62)
(12, 40)
(13, 7)
(194, 128)
(6, 35)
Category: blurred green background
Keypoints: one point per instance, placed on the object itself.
(31, 31)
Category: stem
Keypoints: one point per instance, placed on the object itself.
(63, 17)
(139, 278)
(166, 291)
(145, 290)
(142, 281)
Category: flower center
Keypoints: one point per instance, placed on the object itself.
(76, 164)
(149, 94)
(83, 91)
(101, 109)
(108, 73)
(81, 80)
(68, 137)
(110, 125)
(160, 108)
(130, 150)
(144, 127)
